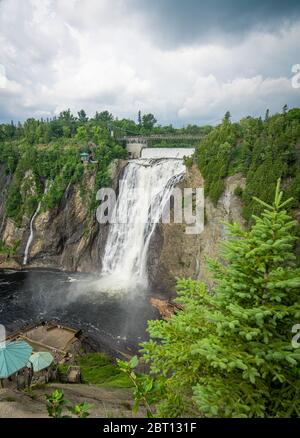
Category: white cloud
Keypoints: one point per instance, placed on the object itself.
(69, 53)
(211, 96)
(2, 77)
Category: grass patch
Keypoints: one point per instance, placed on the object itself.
(99, 374)
(99, 369)
(63, 368)
(120, 380)
(93, 360)
(8, 399)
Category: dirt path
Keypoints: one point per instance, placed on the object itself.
(107, 402)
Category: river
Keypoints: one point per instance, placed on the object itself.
(112, 322)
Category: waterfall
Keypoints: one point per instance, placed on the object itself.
(167, 152)
(29, 241)
(144, 191)
(31, 234)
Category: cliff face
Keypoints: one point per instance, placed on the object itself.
(69, 238)
(174, 253)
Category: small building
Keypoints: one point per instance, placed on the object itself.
(135, 145)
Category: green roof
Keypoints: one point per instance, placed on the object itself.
(13, 357)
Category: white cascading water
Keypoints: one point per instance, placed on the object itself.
(31, 234)
(30, 238)
(148, 185)
(167, 152)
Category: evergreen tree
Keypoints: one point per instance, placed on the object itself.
(82, 117)
(229, 354)
(227, 117)
(267, 115)
(104, 116)
(148, 121)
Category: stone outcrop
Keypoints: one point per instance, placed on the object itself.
(173, 253)
(166, 308)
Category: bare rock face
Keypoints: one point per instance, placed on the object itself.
(67, 237)
(228, 209)
(165, 307)
(11, 233)
(173, 253)
(115, 171)
(13, 236)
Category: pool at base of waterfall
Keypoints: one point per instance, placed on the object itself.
(113, 321)
(113, 308)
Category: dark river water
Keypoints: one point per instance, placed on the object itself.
(111, 321)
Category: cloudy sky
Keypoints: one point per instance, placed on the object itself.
(187, 61)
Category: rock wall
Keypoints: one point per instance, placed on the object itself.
(173, 253)
(67, 237)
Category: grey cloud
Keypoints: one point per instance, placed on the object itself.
(90, 54)
(182, 22)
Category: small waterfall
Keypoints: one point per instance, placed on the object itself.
(29, 241)
(31, 234)
(144, 191)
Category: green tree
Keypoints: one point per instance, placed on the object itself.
(104, 116)
(267, 115)
(148, 121)
(227, 117)
(229, 354)
(81, 134)
(82, 117)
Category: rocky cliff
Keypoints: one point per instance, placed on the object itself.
(176, 254)
(69, 238)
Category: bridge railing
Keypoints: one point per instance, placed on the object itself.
(145, 139)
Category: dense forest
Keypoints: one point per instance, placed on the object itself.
(51, 149)
(262, 150)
